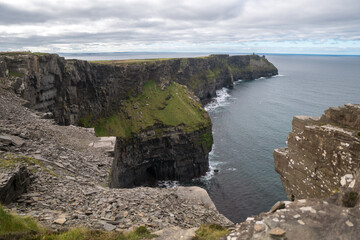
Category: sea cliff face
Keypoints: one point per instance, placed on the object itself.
(131, 100)
(322, 154)
(74, 89)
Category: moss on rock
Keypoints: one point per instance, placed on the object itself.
(173, 106)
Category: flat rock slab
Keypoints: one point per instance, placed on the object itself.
(175, 233)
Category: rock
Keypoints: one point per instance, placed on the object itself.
(322, 153)
(259, 227)
(172, 156)
(107, 226)
(175, 233)
(277, 232)
(60, 220)
(277, 206)
(9, 139)
(14, 183)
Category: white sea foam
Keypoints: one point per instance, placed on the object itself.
(168, 184)
(231, 169)
(221, 99)
(239, 81)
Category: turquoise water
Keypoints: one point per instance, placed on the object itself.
(254, 117)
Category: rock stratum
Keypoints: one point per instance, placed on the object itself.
(320, 173)
(153, 107)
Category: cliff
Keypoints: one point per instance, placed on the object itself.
(58, 175)
(320, 173)
(322, 154)
(149, 105)
(74, 90)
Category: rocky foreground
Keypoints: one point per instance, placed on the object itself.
(65, 175)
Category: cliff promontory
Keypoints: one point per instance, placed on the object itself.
(152, 106)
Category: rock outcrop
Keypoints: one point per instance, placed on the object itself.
(13, 182)
(323, 154)
(320, 172)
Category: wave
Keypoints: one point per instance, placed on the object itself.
(221, 99)
(167, 184)
(231, 169)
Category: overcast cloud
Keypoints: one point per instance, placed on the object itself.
(302, 26)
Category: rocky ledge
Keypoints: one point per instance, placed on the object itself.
(68, 171)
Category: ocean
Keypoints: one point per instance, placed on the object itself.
(254, 118)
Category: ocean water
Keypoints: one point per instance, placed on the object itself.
(254, 118)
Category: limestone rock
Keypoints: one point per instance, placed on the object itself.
(322, 153)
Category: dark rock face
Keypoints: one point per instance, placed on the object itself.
(13, 184)
(175, 155)
(323, 153)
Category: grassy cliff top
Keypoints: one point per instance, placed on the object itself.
(23, 53)
(129, 61)
(173, 106)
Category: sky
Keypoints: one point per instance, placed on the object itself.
(241, 26)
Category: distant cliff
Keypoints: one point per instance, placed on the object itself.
(152, 106)
(74, 89)
(323, 154)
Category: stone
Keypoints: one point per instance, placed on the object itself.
(259, 227)
(10, 139)
(277, 231)
(61, 219)
(348, 223)
(301, 222)
(175, 233)
(277, 206)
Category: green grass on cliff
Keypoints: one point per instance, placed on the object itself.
(210, 232)
(172, 106)
(13, 226)
(10, 223)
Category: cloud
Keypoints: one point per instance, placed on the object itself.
(187, 25)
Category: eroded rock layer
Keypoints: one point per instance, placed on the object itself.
(322, 154)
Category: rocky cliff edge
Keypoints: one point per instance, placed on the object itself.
(320, 173)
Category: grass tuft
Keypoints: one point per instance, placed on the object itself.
(8, 160)
(10, 223)
(16, 227)
(210, 232)
(15, 74)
